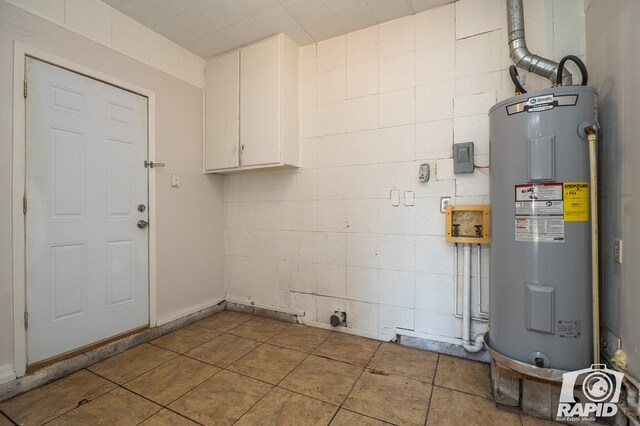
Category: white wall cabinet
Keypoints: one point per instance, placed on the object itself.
(251, 114)
(222, 109)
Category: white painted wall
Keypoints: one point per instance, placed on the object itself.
(101, 23)
(612, 44)
(375, 104)
(189, 219)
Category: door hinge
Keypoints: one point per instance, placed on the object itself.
(25, 89)
(24, 204)
(26, 320)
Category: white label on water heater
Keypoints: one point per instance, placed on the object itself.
(539, 211)
(569, 329)
(539, 192)
(540, 229)
(539, 208)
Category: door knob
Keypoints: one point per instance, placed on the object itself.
(152, 164)
(142, 224)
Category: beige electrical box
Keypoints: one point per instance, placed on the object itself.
(468, 224)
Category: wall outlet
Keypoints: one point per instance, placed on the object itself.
(617, 251)
(175, 181)
(444, 202)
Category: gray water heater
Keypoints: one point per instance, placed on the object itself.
(541, 250)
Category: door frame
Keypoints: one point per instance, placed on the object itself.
(21, 52)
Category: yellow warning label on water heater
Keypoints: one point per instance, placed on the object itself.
(576, 201)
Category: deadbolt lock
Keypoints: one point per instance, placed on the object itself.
(141, 208)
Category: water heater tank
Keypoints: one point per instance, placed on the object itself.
(541, 251)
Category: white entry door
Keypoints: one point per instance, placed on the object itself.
(86, 258)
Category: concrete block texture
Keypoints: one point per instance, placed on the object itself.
(537, 399)
(506, 387)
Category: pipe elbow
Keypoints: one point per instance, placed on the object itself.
(567, 77)
(476, 346)
(520, 54)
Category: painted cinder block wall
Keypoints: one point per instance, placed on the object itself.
(374, 105)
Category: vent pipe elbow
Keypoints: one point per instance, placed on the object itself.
(520, 54)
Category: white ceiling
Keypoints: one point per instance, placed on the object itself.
(210, 27)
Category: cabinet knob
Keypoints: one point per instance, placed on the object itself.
(242, 148)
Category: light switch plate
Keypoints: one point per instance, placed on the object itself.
(409, 198)
(395, 197)
(175, 180)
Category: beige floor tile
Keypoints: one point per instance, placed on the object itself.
(222, 399)
(403, 361)
(171, 380)
(261, 329)
(464, 375)
(167, 418)
(223, 350)
(300, 337)
(185, 339)
(348, 348)
(394, 399)
(322, 378)
(349, 418)
(118, 407)
(131, 363)
(268, 363)
(283, 408)
(50, 401)
(224, 321)
(534, 421)
(455, 408)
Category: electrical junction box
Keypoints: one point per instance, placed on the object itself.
(468, 224)
(463, 158)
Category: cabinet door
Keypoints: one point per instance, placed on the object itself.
(260, 103)
(222, 112)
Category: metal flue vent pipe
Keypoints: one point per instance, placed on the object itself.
(519, 52)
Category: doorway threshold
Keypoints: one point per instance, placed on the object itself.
(32, 368)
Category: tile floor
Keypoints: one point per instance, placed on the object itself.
(233, 368)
